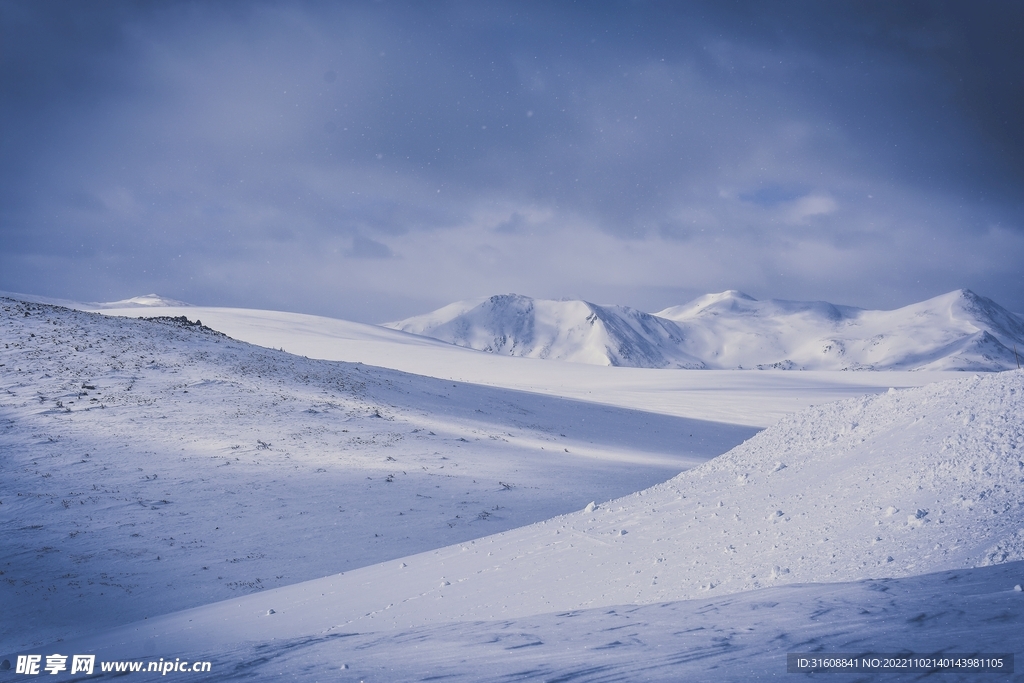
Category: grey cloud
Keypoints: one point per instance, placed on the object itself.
(515, 223)
(364, 247)
(226, 131)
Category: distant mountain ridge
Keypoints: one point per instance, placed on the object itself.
(144, 301)
(574, 331)
(956, 331)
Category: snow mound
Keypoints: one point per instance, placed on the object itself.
(901, 483)
(575, 331)
(898, 484)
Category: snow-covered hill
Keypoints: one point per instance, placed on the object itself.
(902, 484)
(956, 331)
(730, 330)
(154, 464)
(575, 331)
(144, 301)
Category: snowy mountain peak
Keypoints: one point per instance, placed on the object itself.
(573, 330)
(730, 299)
(985, 310)
(729, 295)
(736, 303)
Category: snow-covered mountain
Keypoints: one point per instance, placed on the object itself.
(575, 331)
(956, 331)
(731, 330)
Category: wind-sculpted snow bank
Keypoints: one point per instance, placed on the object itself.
(891, 485)
(896, 485)
(899, 484)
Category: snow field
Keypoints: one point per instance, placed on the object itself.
(152, 466)
(855, 491)
(128, 440)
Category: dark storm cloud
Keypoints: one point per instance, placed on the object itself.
(411, 153)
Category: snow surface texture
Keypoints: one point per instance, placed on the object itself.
(956, 331)
(153, 465)
(197, 431)
(898, 485)
(740, 637)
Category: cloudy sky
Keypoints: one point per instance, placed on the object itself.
(374, 160)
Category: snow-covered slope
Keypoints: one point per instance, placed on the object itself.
(574, 331)
(902, 484)
(956, 331)
(154, 464)
(741, 637)
(143, 301)
(899, 484)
